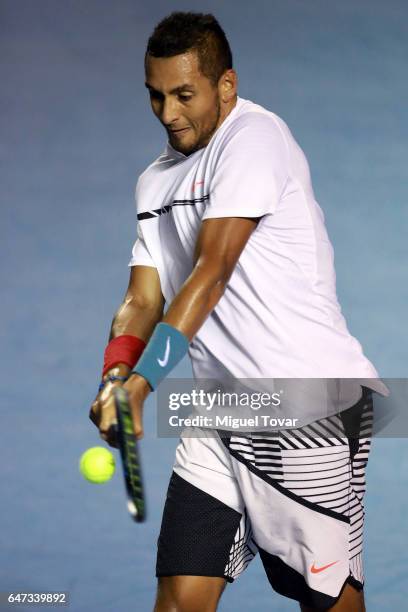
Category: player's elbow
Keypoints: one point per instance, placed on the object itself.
(143, 303)
(214, 271)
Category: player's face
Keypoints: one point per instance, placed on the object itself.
(188, 105)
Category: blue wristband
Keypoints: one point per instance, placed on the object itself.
(166, 347)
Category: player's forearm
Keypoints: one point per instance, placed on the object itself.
(196, 299)
(136, 320)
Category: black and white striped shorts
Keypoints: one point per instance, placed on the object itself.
(295, 496)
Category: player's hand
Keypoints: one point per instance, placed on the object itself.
(103, 413)
(138, 389)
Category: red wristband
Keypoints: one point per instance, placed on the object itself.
(123, 349)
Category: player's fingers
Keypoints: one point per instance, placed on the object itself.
(107, 425)
(94, 413)
(112, 436)
(137, 418)
(110, 439)
(138, 432)
(108, 422)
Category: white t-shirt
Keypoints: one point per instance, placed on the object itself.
(279, 316)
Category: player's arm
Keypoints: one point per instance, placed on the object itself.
(140, 311)
(142, 305)
(219, 245)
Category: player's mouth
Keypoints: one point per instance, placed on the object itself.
(180, 131)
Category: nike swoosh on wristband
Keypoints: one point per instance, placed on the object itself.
(316, 570)
(163, 362)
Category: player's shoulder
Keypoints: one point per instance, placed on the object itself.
(247, 112)
(151, 172)
(251, 120)
(252, 128)
(159, 163)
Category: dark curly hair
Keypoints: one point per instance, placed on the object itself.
(180, 32)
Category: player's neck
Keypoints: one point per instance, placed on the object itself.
(227, 110)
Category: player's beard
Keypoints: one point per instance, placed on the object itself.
(207, 132)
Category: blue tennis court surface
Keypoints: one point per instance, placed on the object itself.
(77, 131)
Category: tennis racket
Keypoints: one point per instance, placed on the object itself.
(130, 456)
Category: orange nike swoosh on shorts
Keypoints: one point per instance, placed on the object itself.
(316, 570)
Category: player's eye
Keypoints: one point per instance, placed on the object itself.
(155, 95)
(184, 97)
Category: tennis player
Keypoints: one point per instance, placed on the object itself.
(232, 240)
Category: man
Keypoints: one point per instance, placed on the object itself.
(231, 238)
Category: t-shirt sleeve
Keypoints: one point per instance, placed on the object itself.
(251, 170)
(140, 252)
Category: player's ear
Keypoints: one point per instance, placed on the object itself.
(228, 84)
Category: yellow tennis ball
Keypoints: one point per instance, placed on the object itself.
(97, 464)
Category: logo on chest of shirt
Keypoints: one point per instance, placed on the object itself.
(196, 184)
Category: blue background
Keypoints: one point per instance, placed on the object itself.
(77, 130)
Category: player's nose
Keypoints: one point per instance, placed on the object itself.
(169, 113)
